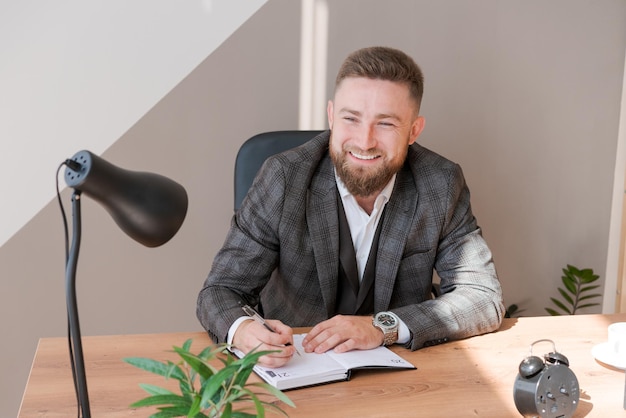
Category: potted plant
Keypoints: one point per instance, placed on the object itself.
(578, 284)
(205, 390)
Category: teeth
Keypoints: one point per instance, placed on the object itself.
(364, 157)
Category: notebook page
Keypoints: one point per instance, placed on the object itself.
(376, 357)
(303, 369)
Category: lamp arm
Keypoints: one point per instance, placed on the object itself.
(76, 348)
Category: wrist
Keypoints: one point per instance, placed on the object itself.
(238, 325)
(380, 335)
(388, 323)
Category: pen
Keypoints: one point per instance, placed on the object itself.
(251, 312)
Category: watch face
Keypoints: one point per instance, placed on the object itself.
(386, 319)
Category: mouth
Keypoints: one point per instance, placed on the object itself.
(364, 157)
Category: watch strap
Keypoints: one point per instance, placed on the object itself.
(390, 337)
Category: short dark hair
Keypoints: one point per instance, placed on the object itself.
(384, 63)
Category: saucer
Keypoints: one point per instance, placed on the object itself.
(605, 354)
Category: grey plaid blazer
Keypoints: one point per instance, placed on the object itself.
(282, 250)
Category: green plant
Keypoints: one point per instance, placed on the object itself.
(576, 292)
(512, 310)
(208, 391)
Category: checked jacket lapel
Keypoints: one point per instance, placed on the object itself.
(399, 213)
(323, 228)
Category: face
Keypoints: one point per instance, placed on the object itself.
(372, 124)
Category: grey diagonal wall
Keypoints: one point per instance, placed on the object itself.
(191, 135)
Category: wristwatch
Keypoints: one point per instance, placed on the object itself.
(388, 323)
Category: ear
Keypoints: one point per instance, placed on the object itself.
(329, 111)
(416, 129)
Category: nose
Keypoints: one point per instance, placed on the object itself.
(365, 138)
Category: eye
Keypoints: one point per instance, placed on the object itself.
(385, 123)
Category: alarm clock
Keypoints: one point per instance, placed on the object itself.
(547, 387)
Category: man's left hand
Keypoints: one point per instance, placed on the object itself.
(343, 333)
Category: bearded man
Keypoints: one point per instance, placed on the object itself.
(343, 233)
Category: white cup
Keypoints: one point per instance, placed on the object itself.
(617, 338)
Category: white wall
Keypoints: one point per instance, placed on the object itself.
(617, 249)
(78, 74)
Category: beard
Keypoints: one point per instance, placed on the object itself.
(365, 181)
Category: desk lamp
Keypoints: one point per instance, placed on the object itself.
(148, 207)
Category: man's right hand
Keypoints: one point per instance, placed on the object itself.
(252, 335)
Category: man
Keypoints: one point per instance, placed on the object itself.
(343, 233)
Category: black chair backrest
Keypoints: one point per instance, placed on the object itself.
(256, 150)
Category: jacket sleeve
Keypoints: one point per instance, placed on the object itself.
(471, 297)
(244, 264)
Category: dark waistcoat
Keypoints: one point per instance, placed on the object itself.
(354, 298)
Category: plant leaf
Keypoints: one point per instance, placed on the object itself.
(194, 409)
(570, 284)
(573, 270)
(228, 411)
(588, 305)
(560, 304)
(588, 288)
(175, 400)
(242, 376)
(239, 414)
(175, 411)
(187, 389)
(258, 405)
(210, 352)
(566, 296)
(167, 370)
(195, 363)
(553, 312)
(586, 297)
(570, 272)
(217, 381)
(587, 276)
(155, 390)
(275, 392)
(175, 372)
(169, 413)
(246, 365)
(187, 344)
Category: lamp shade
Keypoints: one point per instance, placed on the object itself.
(148, 207)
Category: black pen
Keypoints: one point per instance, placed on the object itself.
(252, 313)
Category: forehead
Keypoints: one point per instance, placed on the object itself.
(373, 94)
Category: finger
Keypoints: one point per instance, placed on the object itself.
(347, 345)
(316, 331)
(273, 361)
(326, 340)
(313, 340)
(284, 332)
(277, 356)
(278, 351)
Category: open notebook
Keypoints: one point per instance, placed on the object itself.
(309, 369)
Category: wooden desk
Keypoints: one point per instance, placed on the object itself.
(473, 377)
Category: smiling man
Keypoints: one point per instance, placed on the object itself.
(343, 233)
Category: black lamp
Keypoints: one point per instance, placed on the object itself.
(148, 207)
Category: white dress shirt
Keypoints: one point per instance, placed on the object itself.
(363, 228)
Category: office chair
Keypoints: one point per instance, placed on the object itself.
(255, 151)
